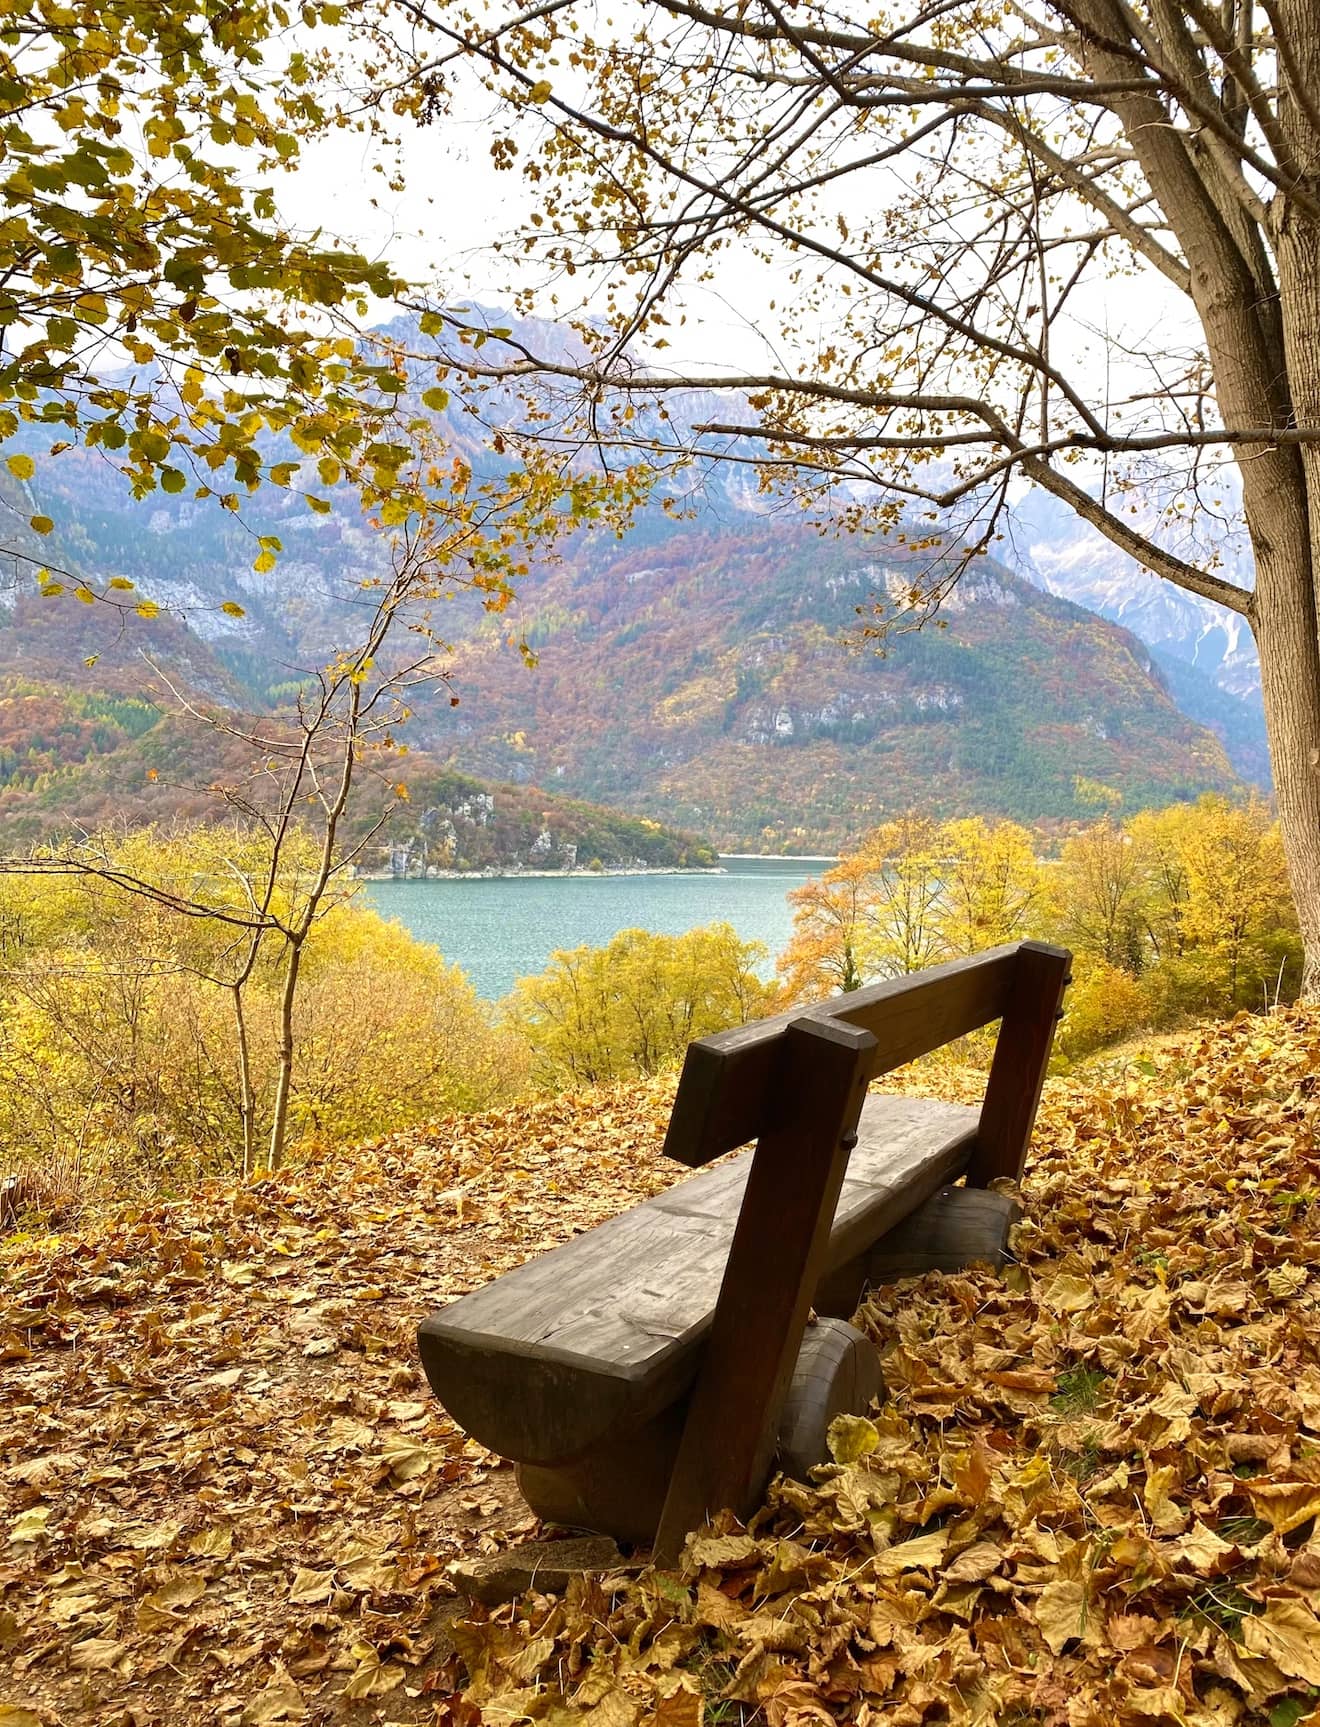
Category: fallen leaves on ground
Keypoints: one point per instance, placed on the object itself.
(226, 1492)
(1092, 1498)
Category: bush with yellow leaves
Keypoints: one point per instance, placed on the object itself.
(126, 1022)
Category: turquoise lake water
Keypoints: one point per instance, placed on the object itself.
(505, 928)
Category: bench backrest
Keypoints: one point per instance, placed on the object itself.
(726, 1096)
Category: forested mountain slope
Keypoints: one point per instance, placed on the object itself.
(79, 760)
(703, 674)
(695, 671)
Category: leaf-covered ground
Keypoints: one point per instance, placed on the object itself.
(1092, 1498)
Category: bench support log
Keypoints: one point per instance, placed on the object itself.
(774, 1264)
(956, 1227)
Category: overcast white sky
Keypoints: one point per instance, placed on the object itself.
(455, 205)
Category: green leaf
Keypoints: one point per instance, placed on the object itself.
(1287, 1712)
(436, 399)
(171, 480)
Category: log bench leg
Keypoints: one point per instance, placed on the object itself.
(955, 1228)
(619, 1488)
(837, 1373)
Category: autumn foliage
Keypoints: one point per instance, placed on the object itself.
(1175, 913)
(119, 1052)
(633, 1006)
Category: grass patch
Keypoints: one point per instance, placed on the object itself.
(1222, 1604)
(1080, 1391)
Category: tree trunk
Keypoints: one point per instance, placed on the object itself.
(1287, 617)
(284, 1080)
(246, 1109)
(1290, 680)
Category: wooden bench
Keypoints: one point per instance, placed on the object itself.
(638, 1374)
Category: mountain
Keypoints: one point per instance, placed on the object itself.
(703, 675)
(1206, 651)
(696, 672)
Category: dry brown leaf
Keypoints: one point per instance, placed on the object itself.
(280, 1700)
(1285, 1505)
(1287, 1633)
(1061, 1612)
(922, 1554)
(96, 1654)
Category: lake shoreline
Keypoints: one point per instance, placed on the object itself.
(536, 874)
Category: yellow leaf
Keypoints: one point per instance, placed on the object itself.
(232, 609)
(21, 467)
(923, 1553)
(95, 1655)
(615, 1709)
(717, 1551)
(280, 1701)
(1061, 1612)
(852, 1437)
(679, 1703)
(85, 594)
(30, 1525)
(147, 609)
(1285, 1505)
(1204, 1551)
(121, 584)
(40, 524)
(214, 1543)
(1065, 1294)
(540, 91)
(309, 1587)
(406, 1462)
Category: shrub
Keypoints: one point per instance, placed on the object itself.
(120, 1028)
(633, 1006)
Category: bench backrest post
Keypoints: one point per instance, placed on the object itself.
(774, 1263)
(1022, 1054)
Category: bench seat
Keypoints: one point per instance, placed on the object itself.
(595, 1337)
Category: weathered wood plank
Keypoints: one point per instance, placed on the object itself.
(725, 1092)
(1022, 1054)
(778, 1252)
(548, 1359)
